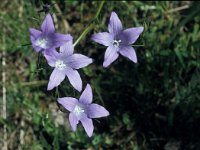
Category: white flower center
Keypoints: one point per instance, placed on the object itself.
(60, 65)
(78, 110)
(42, 42)
(116, 43)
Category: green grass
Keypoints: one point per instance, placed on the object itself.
(154, 104)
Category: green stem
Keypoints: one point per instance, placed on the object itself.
(85, 32)
(91, 25)
(138, 45)
(57, 92)
(99, 9)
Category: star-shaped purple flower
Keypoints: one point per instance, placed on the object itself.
(118, 40)
(65, 63)
(83, 110)
(46, 38)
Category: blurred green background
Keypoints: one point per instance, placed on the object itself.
(154, 104)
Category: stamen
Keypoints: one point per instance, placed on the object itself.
(116, 43)
(42, 42)
(78, 110)
(60, 65)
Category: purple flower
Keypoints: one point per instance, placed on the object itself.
(118, 40)
(65, 63)
(46, 38)
(82, 110)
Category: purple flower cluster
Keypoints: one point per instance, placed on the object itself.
(65, 63)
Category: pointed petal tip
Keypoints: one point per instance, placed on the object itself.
(105, 65)
(30, 30)
(89, 135)
(113, 13)
(59, 100)
(107, 113)
(88, 85)
(135, 61)
(79, 89)
(141, 29)
(92, 37)
(36, 49)
(48, 16)
(91, 60)
(49, 88)
(73, 129)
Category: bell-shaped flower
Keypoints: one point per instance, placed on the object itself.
(83, 110)
(118, 40)
(65, 63)
(46, 39)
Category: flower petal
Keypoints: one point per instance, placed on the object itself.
(60, 39)
(48, 25)
(130, 35)
(51, 56)
(86, 96)
(77, 61)
(88, 125)
(55, 79)
(97, 111)
(103, 38)
(34, 34)
(36, 48)
(67, 48)
(128, 52)
(111, 55)
(51, 52)
(73, 120)
(68, 102)
(74, 78)
(115, 25)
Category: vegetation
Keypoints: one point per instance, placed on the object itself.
(154, 104)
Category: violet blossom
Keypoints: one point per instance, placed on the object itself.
(83, 110)
(46, 39)
(65, 63)
(118, 40)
